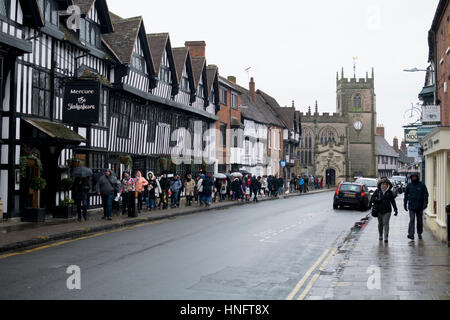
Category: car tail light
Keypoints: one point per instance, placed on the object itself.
(338, 189)
(362, 192)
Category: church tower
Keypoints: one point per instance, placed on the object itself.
(356, 100)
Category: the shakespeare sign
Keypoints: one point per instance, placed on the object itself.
(81, 102)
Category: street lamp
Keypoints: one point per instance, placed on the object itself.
(328, 173)
(417, 70)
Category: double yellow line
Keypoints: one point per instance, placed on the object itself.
(57, 244)
(330, 252)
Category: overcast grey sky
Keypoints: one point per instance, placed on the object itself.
(295, 48)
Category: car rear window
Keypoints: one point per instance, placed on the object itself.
(350, 187)
(369, 183)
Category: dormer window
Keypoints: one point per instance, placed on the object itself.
(185, 83)
(200, 90)
(90, 32)
(138, 63)
(4, 8)
(164, 71)
(49, 11)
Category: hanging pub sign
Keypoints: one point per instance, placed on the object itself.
(431, 115)
(411, 136)
(81, 102)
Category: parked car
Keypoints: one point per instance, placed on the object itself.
(370, 183)
(352, 194)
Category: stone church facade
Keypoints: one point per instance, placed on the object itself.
(341, 146)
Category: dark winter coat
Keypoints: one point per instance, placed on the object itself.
(255, 185)
(416, 196)
(207, 186)
(80, 190)
(107, 186)
(165, 184)
(384, 202)
(235, 186)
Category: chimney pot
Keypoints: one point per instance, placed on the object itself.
(252, 90)
(196, 48)
(232, 79)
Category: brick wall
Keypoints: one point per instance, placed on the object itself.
(443, 74)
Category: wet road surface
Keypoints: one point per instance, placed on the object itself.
(259, 251)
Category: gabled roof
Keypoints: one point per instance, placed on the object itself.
(158, 44)
(274, 107)
(287, 115)
(123, 40)
(212, 72)
(102, 12)
(85, 5)
(383, 147)
(198, 66)
(181, 57)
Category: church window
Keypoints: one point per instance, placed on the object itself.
(357, 102)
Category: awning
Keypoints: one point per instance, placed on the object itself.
(427, 92)
(56, 131)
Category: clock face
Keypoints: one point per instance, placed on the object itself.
(358, 125)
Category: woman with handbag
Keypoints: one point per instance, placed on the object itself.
(383, 201)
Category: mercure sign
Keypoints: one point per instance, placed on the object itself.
(81, 102)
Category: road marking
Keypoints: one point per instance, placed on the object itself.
(340, 284)
(323, 266)
(57, 244)
(307, 274)
(316, 276)
(309, 286)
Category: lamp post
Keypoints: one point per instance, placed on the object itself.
(328, 173)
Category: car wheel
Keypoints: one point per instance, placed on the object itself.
(335, 206)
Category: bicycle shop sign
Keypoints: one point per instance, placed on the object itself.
(81, 102)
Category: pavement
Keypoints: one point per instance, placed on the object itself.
(16, 235)
(364, 268)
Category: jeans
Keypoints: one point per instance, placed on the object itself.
(383, 224)
(107, 201)
(131, 202)
(175, 198)
(81, 204)
(412, 217)
(140, 200)
(150, 203)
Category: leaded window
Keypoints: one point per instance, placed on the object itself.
(41, 94)
(90, 32)
(104, 106)
(49, 11)
(124, 119)
(4, 8)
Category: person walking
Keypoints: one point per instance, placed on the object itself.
(141, 183)
(129, 188)
(207, 189)
(264, 185)
(107, 187)
(383, 201)
(255, 186)
(235, 187)
(189, 186)
(80, 191)
(223, 190)
(416, 201)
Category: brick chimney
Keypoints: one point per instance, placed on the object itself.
(380, 130)
(252, 89)
(403, 147)
(395, 144)
(196, 48)
(232, 79)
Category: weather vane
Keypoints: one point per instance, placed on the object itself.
(354, 66)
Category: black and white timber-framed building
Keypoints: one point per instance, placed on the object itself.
(148, 89)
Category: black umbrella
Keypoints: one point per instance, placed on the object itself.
(82, 172)
(244, 172)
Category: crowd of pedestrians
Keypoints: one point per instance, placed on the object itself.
(305, 183)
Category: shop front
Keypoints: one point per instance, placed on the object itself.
(437, 163)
